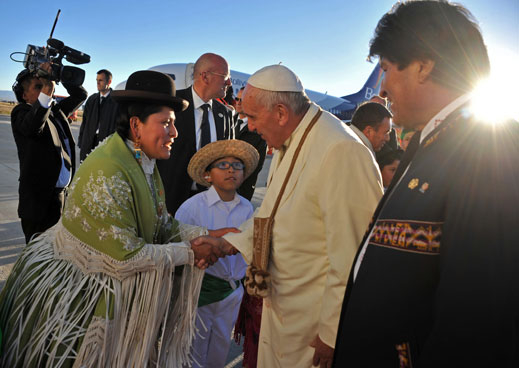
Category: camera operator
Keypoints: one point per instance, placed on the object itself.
(45, 148)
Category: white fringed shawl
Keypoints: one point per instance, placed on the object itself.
(99, 288)
(58, 285)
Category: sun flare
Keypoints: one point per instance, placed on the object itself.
(493, 99)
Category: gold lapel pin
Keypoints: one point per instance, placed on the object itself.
(413, 183)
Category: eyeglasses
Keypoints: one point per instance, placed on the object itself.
(224, 165)
(225, 77)
(237, 99)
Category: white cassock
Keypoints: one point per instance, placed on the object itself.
(325, 210)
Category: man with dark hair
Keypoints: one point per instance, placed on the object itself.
(392, 144)
(205, 120)
(371, 122)
(435, 280)
(99, 115)
(45, 149)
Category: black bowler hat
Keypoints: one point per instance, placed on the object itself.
(150, 87)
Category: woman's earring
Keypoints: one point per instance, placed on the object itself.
(138, 150)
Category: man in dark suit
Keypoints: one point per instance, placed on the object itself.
(241, 131)
(45, 149)
(371, 121)
(205, 120)
(99, 115)
(435, 282)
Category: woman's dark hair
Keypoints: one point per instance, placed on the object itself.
(434, 30)
(389, 158)
(126, 111)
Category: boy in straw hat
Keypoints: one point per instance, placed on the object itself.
(222, 166)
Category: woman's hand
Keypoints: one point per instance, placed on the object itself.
(204, 254)
(208, 249)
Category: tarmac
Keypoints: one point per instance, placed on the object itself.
(12, 239)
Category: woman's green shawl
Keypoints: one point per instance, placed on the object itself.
(110, 205)
(98, 289)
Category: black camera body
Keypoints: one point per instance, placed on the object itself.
(54, 53)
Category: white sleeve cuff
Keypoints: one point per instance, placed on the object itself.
(182, 253)
(44, 100)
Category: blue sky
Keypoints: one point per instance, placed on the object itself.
(325, 43)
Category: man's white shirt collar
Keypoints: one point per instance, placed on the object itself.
(243, 123)
(440, 116)
(197, 101)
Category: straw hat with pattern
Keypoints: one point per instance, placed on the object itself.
(211, 152)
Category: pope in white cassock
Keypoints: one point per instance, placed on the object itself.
(323, 213)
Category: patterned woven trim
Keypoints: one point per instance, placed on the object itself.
(411, 236)
(404, 355)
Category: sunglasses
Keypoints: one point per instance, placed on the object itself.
(237, 99)
(224, 165)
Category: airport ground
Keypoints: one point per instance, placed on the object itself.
(12, 239)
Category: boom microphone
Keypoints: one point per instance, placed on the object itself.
(55, 43)
(71, 55)
(75, 56)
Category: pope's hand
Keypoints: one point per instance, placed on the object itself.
(221, 247)
(227, 248)
(323, 356)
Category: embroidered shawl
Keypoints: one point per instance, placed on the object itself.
(98, 289)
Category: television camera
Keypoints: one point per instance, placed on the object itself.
(54, 53)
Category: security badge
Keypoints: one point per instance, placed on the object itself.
(415, 182)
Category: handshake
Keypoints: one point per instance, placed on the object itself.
(208, 249)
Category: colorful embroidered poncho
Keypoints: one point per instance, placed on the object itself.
(98, 289)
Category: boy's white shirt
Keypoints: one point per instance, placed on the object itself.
(207, 209)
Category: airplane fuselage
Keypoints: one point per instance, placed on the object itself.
(343, 107)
